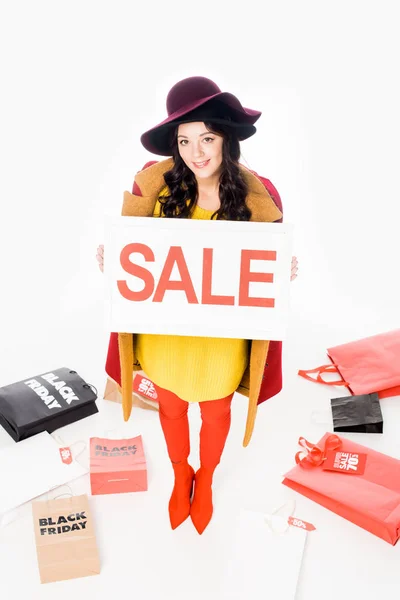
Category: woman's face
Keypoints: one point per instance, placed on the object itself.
(200, 149)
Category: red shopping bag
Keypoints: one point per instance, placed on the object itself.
(370, 500)
(117, 466)
(365, 366)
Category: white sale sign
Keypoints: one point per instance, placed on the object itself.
(228, 279)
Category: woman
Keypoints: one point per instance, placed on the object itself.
(202, 180)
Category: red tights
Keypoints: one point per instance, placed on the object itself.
(216, 421)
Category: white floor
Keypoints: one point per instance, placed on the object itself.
(139, 552)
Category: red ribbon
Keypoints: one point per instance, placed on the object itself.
(314, 455)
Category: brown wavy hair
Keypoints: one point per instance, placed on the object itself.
(182, 182)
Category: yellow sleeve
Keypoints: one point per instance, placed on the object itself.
(157, 208)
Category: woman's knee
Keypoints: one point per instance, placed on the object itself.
(171, 406)
(216, 411)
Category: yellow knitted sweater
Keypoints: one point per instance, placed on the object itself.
(195, 368)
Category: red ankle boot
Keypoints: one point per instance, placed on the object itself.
(179, 504)
(202, 508)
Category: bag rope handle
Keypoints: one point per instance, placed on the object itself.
(332, 368)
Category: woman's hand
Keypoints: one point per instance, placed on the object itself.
(294, 268)
(100, 257)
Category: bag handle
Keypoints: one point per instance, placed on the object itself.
(331, 368)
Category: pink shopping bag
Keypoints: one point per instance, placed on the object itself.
(365, 366)
(117, 466)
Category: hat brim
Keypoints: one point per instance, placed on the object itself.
(156, 139)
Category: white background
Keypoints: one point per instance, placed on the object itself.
(80, 82)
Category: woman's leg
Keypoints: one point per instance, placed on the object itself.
(175, 425)
(216, 421)
(173, 414)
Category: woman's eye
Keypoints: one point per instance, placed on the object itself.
(207, 139)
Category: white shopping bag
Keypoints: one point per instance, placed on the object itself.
(265, 559)
(31, 468)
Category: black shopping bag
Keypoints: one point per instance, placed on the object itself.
(358, 414)
(45, 403)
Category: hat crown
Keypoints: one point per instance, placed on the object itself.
(191, 89)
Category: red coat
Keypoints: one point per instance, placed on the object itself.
(272, 379)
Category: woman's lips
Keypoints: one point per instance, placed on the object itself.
(201, 165)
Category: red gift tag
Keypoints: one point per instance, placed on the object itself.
(145, 387)
(301, 524)
(66, 455)
(352, 463)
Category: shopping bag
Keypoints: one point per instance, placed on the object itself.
(140, 398)
(66, 545)
(364, 366)
(32, 468)
(357, 414)
(370, 500)
(45, 403)
(262, 540)
(145, 387)
(117, 466)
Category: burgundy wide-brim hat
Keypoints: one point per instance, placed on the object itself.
(199, 99)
